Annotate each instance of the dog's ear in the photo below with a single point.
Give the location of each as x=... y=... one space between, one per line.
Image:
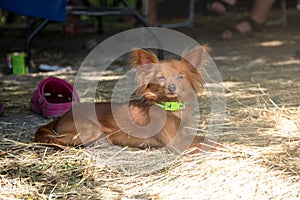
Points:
x=194 y=59
x=141 y=58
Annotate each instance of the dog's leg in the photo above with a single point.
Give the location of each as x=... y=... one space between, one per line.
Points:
x=67 y=134
x=205 y=144
x=196 y=144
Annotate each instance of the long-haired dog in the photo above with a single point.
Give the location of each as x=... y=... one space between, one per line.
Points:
x=157 y=119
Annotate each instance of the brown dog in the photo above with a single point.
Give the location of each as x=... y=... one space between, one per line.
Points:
x=161 y=84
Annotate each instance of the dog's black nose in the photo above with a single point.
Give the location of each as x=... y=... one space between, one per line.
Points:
x=172 y=87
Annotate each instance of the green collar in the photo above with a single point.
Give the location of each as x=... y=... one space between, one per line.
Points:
x=171 y=106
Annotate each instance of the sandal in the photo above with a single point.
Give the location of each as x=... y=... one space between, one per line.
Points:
x=53 y=97
x=235 y=32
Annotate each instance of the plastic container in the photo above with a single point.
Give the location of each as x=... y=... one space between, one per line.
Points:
x=16 y=63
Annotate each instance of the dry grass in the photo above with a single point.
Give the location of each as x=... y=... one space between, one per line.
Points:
x=261 y=162
x=35 y=172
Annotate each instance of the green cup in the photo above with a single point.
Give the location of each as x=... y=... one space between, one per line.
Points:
x=17 y=62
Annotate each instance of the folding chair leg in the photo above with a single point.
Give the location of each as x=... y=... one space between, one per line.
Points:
x=283 y=18
x=145 y=24
x=30 y=38
x=136 y=14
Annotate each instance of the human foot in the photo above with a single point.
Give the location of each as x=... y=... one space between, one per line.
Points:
x=221 y=6
x=243 y=27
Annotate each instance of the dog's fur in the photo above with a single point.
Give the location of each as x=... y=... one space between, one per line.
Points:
x=158 y=81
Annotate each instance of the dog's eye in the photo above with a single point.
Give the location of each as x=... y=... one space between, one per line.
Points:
x=180 y=78
x=161 y=79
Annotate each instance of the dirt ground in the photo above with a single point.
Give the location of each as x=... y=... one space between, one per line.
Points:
x=261 y=75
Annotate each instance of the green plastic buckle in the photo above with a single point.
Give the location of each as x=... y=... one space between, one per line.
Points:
x=171 y=106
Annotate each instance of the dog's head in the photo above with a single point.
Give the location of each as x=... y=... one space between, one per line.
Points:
x=168 y=80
